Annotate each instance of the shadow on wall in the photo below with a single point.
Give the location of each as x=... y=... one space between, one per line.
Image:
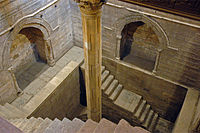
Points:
x=138 y=45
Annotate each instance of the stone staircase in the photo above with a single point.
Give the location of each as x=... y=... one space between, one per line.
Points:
x=39 y=125
x=129 y=101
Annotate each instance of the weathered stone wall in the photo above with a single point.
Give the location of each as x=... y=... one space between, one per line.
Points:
x=179 y=38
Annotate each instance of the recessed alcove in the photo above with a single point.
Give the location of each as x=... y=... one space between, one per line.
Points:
x=138 y=45
x=27 y=54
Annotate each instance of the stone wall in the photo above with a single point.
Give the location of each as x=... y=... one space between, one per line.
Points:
x=179 y=38
x=60 y=97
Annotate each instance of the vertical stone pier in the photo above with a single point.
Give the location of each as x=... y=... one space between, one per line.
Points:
x=91 y=23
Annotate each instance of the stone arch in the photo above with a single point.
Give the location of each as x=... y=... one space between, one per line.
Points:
x=37 y=23
x=135 y=17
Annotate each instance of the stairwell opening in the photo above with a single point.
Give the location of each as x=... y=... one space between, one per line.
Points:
x=138 y=45
x=27 y=54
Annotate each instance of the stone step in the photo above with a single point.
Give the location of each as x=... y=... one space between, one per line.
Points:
x=125 y=99
x=25 y=124
x=33 y=125
x=3 y=115
x=88 y=127
x=153 y=123
x=16 y=121
x=148 y=121
x=104 y=76
x=111 y=88
x=67 y=126
x=107 y=82
x=8 y=113
x=15 y=110
x=163 y=126
x=54 y=127
x=22 y=123
x=77 y=124
x=29 y=125
x=105 y=126
x=103 y=68
x=141 y=108
x=116 y=92
x=43 y=126
x=123 y=127
x=145 y=113
x=137 y=99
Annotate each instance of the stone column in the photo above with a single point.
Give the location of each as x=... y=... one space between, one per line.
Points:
x=91 y=23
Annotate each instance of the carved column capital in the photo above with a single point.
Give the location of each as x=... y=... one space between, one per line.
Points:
x=90 y=6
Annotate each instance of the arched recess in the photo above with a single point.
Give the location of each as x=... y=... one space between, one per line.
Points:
x=31 y=22
x=135 y=18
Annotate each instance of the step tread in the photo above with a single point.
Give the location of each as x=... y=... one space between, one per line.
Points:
x=67 y=126
x=107 y=82
x=145 y=113
x=33 y=125
x=77 y=124
x=140 y=109
x=148 y=121
x=103 y=69
x=8 y=113
x=29 y=124
x=154 y=122
x=15 y=109
x=88 y=127
x=163 y=126
x=43 y=125
x=123 y=127
x=22 y=124
x=116 y=92
x=135 y=103
x=55 y=126
x=105 y=126
x=125 y=99
x=112 y=86
x=104 y=75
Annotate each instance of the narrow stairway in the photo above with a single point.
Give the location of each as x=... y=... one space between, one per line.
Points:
x=39 y=125
x=141 y=111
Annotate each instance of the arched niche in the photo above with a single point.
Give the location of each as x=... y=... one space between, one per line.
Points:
x=134 y=22
x=35 y=23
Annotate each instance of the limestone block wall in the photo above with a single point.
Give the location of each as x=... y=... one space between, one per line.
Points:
x=179 y=38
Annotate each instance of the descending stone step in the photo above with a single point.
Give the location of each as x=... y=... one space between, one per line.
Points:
x=54 y=127
x=148 y=121
x=125 y=99
x=137 y=99
x=163 y=126
x=43 y=126
x=33 y=125
x=105 y=126
x=16 y=110
x=153 y=123
x=67 y=126
x=88 y=127
x=77 y=124
x=116 y=92
x=27 y=125
x=145 y=113
x=140 y=109
x=107 y=82
x=22 y=124
x=103 y=69
x=104 y=76
x=111 y=88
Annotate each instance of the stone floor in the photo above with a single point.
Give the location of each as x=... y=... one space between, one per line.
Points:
x=140 y=62
x=34 y=78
